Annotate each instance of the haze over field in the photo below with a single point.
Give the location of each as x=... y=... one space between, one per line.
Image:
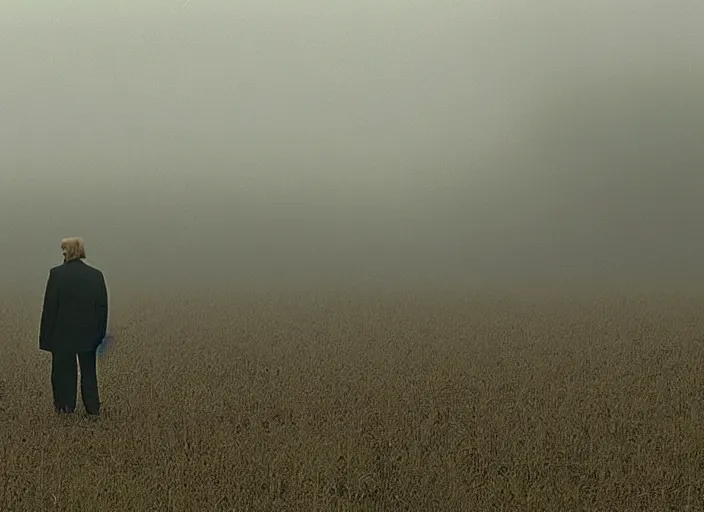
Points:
x=364 y=142
x=446 y=146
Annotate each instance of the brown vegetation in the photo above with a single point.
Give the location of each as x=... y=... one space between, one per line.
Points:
x=366 y=403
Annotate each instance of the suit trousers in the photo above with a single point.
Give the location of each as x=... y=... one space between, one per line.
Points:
x=64 y=380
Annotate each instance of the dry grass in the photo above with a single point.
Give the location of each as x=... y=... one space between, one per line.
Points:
x=366 y=403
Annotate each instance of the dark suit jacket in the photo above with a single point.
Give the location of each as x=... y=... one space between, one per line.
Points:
x=75 y=310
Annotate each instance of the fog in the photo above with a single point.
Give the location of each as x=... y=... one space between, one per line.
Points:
x=397 y=143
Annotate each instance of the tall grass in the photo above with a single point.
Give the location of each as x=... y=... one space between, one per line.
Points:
x=366 y=402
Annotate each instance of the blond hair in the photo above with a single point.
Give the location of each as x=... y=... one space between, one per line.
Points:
x=74 y=248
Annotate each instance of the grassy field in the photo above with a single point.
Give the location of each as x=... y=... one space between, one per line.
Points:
x=366 y=402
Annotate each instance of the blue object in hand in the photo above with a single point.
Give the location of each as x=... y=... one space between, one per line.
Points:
x=105 y=345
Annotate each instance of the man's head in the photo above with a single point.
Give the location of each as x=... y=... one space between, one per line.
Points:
x=73 y=248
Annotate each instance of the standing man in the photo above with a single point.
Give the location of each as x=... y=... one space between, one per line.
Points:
x=73 y=324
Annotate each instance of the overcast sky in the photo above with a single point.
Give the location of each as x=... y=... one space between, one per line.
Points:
x=222 y=142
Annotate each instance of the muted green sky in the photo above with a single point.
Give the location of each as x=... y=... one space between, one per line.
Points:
x=368 y=141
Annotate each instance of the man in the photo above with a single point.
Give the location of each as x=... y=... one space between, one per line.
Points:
x=73 y=324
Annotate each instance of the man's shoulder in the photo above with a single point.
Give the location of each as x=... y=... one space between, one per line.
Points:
x=83 y=267
x=92 y=268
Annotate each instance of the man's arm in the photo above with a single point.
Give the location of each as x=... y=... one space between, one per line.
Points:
x=101 y=308
x=49 y=308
